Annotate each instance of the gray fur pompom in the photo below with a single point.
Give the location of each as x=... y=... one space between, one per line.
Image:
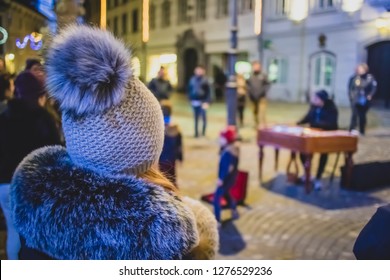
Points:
x=87 y=70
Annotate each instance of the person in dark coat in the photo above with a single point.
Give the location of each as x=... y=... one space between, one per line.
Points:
x=160 y=86
x=323 y=115
x=258 y=86
x=173 y=145
x=373 y=242
x=362 y=88
x=200 y=96
x=6 y=90
x=227 y=171
x=24 y=126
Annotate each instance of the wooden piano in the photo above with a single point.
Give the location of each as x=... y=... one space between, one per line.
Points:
x=307 y=141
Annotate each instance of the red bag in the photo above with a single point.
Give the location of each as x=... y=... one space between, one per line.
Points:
x=238 y=191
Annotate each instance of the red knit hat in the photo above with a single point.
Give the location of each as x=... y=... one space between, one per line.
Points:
x=229 y=134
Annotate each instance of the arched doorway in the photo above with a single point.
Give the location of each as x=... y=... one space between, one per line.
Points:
x=378 y=60
x=191 y=61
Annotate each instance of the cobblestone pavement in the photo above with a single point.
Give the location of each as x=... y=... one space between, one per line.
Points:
x=279 y=220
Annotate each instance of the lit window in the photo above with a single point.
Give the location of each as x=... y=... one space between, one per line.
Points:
x=166 y=14
x=277 y=70
x=323 y=71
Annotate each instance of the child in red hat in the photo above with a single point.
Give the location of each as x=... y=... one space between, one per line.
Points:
x=227 y=173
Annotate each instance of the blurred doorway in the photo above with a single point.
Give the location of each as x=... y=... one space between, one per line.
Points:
x=378 y=61
x=190 y=61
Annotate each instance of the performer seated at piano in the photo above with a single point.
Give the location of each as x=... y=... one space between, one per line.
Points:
x=323 y=115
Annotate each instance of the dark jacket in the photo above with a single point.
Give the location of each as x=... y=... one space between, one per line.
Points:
x=199 y=89
x=23 y=128
x=373 y=242
x=228 y=165
x=160 y=88
x=325 y=117
x=362 y=88
x=63 y=211
x=173 y=148
x=258 y=86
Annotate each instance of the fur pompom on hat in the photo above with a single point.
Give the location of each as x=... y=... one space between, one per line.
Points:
x=112 y=123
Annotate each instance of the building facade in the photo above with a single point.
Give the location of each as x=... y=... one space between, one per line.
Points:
x=316 y=44
x=182 y=34
x=23 y=24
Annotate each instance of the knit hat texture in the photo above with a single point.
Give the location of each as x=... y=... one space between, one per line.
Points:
x=112 y=123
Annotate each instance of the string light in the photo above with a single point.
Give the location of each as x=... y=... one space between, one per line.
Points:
x=5 y=35
x=35 y=41
x=258 y=15
x=145 y=21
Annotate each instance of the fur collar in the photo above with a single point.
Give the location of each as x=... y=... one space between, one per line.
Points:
x=69 y=212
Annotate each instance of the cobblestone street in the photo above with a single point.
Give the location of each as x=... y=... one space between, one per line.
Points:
x=279 y=220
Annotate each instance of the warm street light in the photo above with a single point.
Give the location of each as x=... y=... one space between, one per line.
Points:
x=103 y=14
x=258 y=15
x=351 y=6
x=299 y=10
x=145 y=21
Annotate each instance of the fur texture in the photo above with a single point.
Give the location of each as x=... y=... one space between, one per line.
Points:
x=71 y=213
x=87 y=66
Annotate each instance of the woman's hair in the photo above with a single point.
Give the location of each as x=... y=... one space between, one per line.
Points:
x=155 y=176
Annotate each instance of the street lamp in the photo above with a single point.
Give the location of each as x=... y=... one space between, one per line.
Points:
x=299 y=10
x=351 y=6
x=103 y=14
x=231 y=86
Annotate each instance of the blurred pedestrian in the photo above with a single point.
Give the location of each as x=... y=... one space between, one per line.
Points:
x=322 y=114
x=258 y=86
x=199 y=95
x=227 y=172
x=6 y=90
x=35 y=66
x=160 y=86
x=2 y=66
x=173 y=148
x=241 y=98
x=362 y=88
x=103 y=197
x=24 y=126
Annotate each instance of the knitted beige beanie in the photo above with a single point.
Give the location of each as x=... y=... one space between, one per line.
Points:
x=112 y=123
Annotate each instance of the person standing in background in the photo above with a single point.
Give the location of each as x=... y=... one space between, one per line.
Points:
x=24 y=126
x=199 y=95
x=241 y=98
x=6 y=90
x=173 y=145
x=362 y=88
x=160 y=86
x=258 y=86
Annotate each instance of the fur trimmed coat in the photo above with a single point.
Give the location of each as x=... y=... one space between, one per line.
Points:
x=68 y=212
